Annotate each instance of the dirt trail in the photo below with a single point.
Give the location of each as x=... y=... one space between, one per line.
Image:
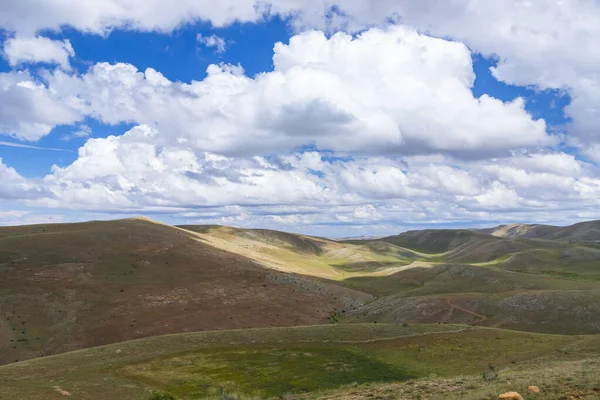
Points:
x=480 y=318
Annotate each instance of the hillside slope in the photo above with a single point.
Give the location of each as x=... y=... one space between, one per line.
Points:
x=520 y=230
x=345 y=361
x=72 y=286
x=588 y=231
x=306 y=255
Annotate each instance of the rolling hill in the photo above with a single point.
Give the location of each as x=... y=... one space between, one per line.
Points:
x=72 y=286
x=393 y=305
x=581 y=232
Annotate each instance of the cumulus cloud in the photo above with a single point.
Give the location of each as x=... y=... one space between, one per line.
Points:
x=14 y=186
x=308 y=191
x=522 y=35
x=126 y=174
x=38 y=49
x=384 y=91
x=28 y=110
x=30 y=16
x=400 y=138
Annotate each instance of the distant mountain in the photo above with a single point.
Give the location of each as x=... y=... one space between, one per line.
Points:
x=581 y=232
x=520 y=231
x=434 y=240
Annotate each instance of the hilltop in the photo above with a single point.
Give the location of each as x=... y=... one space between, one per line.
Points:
x=581 y=232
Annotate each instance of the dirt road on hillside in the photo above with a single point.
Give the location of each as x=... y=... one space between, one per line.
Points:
x=480 y=318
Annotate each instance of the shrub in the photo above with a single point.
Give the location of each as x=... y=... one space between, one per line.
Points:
x=490 y=373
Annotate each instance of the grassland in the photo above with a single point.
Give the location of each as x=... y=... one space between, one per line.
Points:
x=311 y=362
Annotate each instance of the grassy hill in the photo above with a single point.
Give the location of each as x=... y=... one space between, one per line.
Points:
x=302 y=254
x=432 y=240
x=317 y=362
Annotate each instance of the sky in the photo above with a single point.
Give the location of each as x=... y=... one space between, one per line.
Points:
x=338 y=118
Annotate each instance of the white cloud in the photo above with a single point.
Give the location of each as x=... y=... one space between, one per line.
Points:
x=213 y=41
x=549 y=44
x=82 y=131
x=28 y=110
x=26 y=217
x=385 y=91
x=206 y=149
x=129 y=174
x=30 y=16
x=38 y=49
x=15 y=186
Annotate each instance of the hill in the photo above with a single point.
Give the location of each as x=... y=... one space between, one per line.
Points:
x=520 y=230
x=73 y=286
x=581 y=232
x=318 y=362
x=433 y=240
x=318 y=257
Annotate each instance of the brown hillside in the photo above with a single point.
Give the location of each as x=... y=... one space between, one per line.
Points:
x=72 y=286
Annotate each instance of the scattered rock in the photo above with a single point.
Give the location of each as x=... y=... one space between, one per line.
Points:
x=511 y=396
x=63 y=392
x=533 y=389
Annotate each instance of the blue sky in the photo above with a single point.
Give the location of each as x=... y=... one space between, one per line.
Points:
x=353 y=125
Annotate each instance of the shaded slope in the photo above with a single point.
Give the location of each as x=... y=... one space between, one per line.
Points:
x=584 y=231
x=433 y=240
x=72 y=286
x=476 y=271
x=459 y=245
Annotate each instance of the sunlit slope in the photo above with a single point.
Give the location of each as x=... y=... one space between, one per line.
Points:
x=307 y=255
x=588 y=231
x=527 y=284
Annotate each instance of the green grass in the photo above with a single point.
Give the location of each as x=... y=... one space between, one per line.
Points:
x=469 y=352
x=304 y=361
x=265 y=372
x=271 y=371
x=557 y=380
x=94 y=374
